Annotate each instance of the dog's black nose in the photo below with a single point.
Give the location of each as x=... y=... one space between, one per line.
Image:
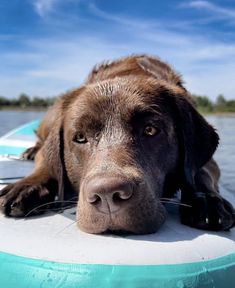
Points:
x=108 y=194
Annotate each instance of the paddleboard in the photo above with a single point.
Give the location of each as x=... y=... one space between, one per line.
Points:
x=50 y=251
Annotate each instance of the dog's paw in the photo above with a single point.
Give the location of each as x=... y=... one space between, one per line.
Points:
x=21 y=199
x=30 y=153
x=209 y=212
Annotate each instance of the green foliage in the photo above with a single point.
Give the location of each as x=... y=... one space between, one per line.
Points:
x=221 y=105
x=24 y=101
x=220 y=100
x=203 y=103
x=4 y=101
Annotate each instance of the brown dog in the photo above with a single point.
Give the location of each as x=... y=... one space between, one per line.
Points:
x=129 y=136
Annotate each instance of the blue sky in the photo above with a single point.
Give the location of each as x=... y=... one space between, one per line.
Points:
x=49 y=46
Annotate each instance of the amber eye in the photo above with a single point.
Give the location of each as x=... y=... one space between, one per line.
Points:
x=80 y=138
x=150 y=130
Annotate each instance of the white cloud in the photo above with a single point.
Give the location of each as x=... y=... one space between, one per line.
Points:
x=54 y=65
x=206 y=5
x=43 y=7
x=57 y=65
x=213 y=81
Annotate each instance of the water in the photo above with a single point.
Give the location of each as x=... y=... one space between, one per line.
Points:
x=11 y=119
x=225 y=155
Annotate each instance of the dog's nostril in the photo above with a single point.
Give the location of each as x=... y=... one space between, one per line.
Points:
x=121 y=196
x=108 y=194
x=94 y=199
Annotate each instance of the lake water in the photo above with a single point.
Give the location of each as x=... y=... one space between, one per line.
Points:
x=225 y=125
x=11 y=119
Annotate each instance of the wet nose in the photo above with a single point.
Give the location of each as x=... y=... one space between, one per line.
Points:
x=108 y=194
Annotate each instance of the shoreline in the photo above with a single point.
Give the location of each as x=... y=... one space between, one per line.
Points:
x=44 y=109
x=26 y=109
x=219 y=114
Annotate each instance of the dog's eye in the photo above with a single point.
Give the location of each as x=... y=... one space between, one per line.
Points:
x=150 y=130
x=80 y=138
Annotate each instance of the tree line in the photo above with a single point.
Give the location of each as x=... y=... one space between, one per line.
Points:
x=25 y=101
x=203 y=103
x=221 y=104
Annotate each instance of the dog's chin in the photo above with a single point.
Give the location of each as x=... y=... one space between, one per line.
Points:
x=98 y=223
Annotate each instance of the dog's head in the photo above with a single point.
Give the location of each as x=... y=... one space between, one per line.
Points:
x=127 y=141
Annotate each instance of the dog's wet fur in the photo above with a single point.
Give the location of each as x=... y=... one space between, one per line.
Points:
x=127 y=137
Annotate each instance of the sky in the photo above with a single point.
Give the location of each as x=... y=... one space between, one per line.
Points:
x=48 y=46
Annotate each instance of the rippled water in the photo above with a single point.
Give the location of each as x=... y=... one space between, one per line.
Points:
x=225 y=154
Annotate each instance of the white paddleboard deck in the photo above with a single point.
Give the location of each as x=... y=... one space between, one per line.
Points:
x=56 y=237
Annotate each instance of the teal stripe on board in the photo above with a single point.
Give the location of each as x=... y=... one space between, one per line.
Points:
x=11 y=150
x=27 y=129
x=23 y=272
x=22 y=131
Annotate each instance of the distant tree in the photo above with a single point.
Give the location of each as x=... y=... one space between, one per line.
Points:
x=203 y=103
x=24 y=100
x=230 y=106
x=4 y=101
x=39 y=102
x=43 y=102
x=51 y=100
x=15 y=102
x=223 y=105
x=220 y=100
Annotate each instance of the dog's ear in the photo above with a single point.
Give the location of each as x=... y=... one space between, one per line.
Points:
x=53 y=148
x=198 y=139
x=159 y=70
x=52 y=155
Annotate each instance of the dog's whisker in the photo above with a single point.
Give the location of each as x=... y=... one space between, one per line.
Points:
x=59 y=209
x=48 y=203
x=165 y=198
x=73 y=198
x=66 y=227
x=175 y=203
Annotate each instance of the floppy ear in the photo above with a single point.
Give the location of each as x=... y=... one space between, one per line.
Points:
x=53 y=148
x=53 y=159
x=198 y=138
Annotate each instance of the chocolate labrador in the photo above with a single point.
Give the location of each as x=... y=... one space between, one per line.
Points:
x=121 y=142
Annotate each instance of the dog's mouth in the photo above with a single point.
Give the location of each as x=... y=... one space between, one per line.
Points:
x=117 y=205
x=132 y=220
